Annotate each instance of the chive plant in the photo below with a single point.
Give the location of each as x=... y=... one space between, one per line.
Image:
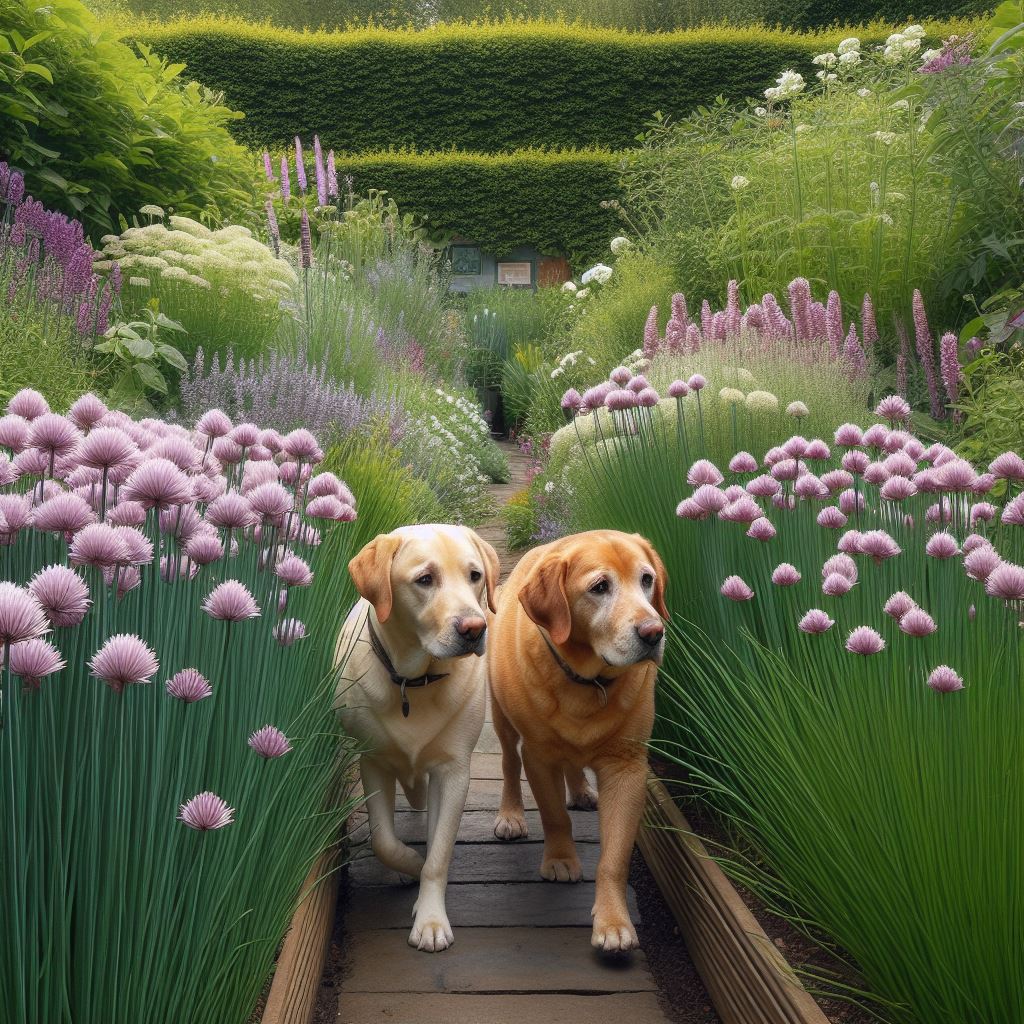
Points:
x=170 y=761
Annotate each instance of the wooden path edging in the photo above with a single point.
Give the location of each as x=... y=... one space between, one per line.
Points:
x=747 y=978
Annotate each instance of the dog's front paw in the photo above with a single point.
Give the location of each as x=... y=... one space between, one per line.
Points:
x=614 y=935
x=511 y=825
x=584 y=800
x=561 y=869
x=431 y=932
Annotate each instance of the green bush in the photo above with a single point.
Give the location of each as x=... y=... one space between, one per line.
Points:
x=486 y=88
x=100 y=130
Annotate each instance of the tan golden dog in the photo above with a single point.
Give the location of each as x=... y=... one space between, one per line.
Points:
x=574 y=650
x=410 y=693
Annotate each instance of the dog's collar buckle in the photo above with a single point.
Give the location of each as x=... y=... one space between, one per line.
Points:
x=600 y=682
x=400 y=681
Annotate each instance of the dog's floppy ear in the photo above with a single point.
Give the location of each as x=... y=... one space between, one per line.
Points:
x=371 y=572
x=544 y=599
x=660 y=576
x=492 y=567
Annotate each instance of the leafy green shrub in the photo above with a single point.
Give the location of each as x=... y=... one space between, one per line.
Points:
x=484 y=88
x=100 y=129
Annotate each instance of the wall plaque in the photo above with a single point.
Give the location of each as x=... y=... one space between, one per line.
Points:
x=517 y=274
x=465 y=260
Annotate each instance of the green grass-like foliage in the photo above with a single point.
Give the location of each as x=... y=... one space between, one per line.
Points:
x=486 y=88
x=111 y=909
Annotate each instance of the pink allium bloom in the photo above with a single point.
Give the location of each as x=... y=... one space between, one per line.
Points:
x=696 y=382
x=1006 y=581
x=270 y=501
x=62 y=594
x=850 y=501
x=179 y=450
x=875 y=436
x=773 y=456
x=761 y=529
x=710 y=498
x=325 y=483
x=87 y=411
x=703 y=472
x=842 y=564
x=940 y=511
x=785 y=575
x=1008 y=466
x=831 y=518
x=900 y=464
x=269 y=742
x=8 y=473
x=917 y=622
x=897 y=488
x=942 y=545
x=21 y=615
x=735 y=589
x=206 y=812
x=32 y=660
x=743 y=462
x=620 y=375
x=106 y=447
x=944 y=680
x=1013 y=513
x=63 y=513
x=204 y=548
x=226 y=451
x=879 y=546
x=287 y=631
x=56 y=436
x=818 y=450
x=983 y=483
x=13 y=432
x=123 y=660
x=257 y=453
x=941 y=455
x=98 y=545
x=127 y=513
x=855 y=462
x=899 y=604
x=176 y=567
x=848 y=435
x=985 y=512
x=678 y=389
x=208 y=489
x=893 y=408
x=809 y=486
x=763 y=486
x=637 y=384
x=876 y=473
x=572 y=401
x=788 y=469
x=796 y=447
x=230 y=601
x=32 y=462
x=745 y=510
x=326 y=507
x=231 y=511
x=973 y=541
x=914 y=448
x=957 y=475
x=245 y=434
x=15 y=513
x=28 y=404
x=849 y=543
x=786 y=501
x=864 y=640
x=647 y=398
x=593 y=398
x=301 y=444
x=816 y=621
x=214 y=423
x=188 y=686
x=734 y=492
x=138 y=547
x=157 y=483
x=293 y=572
x=689 y=509
x=619 y=399
x=835 y=585
x=181 y=522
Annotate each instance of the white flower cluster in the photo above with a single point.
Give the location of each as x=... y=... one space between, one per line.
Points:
x=598 y=274
x=568 y=361
x=900 y=45
x=847 y=54
x=739 y=182
x=620 y=245
x=789 y=83
x=465 y=412
x=456 y=431
x=636 y=361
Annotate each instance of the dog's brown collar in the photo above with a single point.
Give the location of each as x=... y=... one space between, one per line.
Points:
x=400 y=681
x=600 y=682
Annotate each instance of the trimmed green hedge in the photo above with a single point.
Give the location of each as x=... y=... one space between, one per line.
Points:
x=550 y=200
x=483 y=88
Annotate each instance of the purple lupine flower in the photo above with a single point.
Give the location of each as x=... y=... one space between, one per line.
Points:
x=926 y=353
x=868 y=326
x=300 y=167
x=834 y=323
x=949 y=362
x=272 y=227
x=286 y=180
x=305 y=242
x=732 y=308
x=854 y=354
x=332 y=176
x=799 y=308
x=206 y=812
x=651 y=338
x=268 y=167
x=320 y=172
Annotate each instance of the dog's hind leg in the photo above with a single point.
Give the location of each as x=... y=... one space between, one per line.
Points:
x=510 y=822
x=582 y=796
x=379 y=787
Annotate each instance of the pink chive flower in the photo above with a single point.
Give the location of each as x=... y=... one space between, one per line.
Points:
x=874 y=436
x=796 y=447
x=620 y=375
x=637 y=384
x=842 y=564
x=704 y=472
x=943 y=679
x=917 y=622
x=743 y=462
x=816 y=621
x=245 y=434
x=817 y=450
x=54 y=435
x=301 y=444
x=849 y=543
x=226 y=451
x=942 y=545
x=206 y=812
x=894 y=409
x=127 y=513
x=325 y=507
x=1008 y=466
x=230 y=601
x=87 y=411
x=744 y=510
x=138 y=547
x=231 y=511
x=204 y=548
x=28 y=404
x=678 y=389
x=973 y=541
x=293 y=572
x=157 y=483
x=13 y=432
x=287 y=631
x=325 y=483
x=32 y=462
x=98 y=545
x=763 y=486
x=619 y=399
x=810 y=487
x=63 y=513
x=572 y=401
x=62 y=594
x=269 y=742
x=879 y=545
x=689 y=509
x=787 y=469
x=1013 y=513
x=33 y=660
x=710 y=498
x=736 y=589
x=864 y=640
x=850 y=501
x=178 y=450
x=899 y=604
x=734 y=492
x=900 y=464
x=122 y=661
x=270 y=501
x=696 y=382
x=647 y=398
x=957 y=475
x=855 y=462
x=848 y=435
x=831 y=518
x=897 y=488
x=189 y=686
x=876 y=473
x=761 y=529
x=836 y=585
x=106 y=447
x=1006 y=581
x=785 y=575
x=214 y=423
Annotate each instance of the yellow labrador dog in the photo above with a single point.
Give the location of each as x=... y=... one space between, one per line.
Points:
x=413 y=690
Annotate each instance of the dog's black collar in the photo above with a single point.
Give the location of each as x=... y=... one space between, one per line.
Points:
x=400 y=681
x=600 y=682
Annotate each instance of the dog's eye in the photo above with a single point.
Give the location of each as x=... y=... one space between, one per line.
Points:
x=425 y=580
x=600 y=587
x=475 y=574
x=647 y=581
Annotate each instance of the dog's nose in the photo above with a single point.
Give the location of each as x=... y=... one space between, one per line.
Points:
x=470 y=627
x=650 y=631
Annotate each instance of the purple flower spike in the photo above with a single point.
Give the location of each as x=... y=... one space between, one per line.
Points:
x=269 y=742
x=122 y=661
x=230 y=601
x=206 y=812
x=816 y=621
x=287 y=631
x=943 y=679
x=736 y=589
x=305 y=242
x=188 y=686
x=917 y=622
x=864 y=640
x=786 y=575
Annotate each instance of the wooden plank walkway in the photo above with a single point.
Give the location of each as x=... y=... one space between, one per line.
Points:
x=522 y=952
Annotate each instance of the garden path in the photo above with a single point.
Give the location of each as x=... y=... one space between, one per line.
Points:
x=522 y=951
